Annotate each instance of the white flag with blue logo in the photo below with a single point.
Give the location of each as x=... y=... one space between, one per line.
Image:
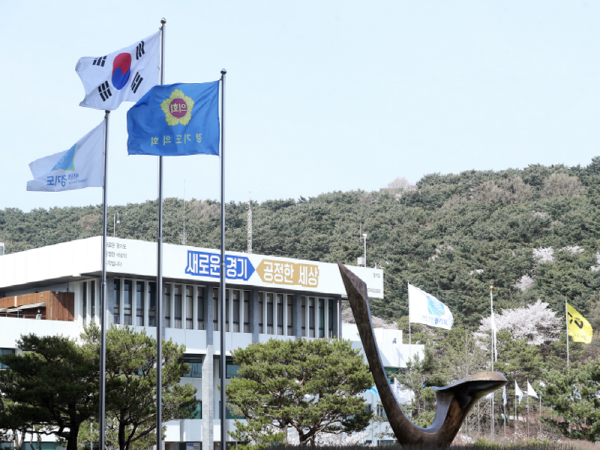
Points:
x=122 y=76
x=426 y=309
x=79 y=167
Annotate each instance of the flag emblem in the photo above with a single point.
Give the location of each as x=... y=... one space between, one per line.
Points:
x=178 y=108
x=121 y=70
x=434 y=306
x=67 y=162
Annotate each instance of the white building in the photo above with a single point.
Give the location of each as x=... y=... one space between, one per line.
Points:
x=267 y=298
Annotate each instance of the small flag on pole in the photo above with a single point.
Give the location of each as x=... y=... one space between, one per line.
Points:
x=123 y=76
x=426 y=309
x=579 y=328
x=175 y=120
x=79 y=167
x=518 y=392
x=530 y=390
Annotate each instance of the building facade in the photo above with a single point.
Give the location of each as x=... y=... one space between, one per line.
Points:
x=266 y=298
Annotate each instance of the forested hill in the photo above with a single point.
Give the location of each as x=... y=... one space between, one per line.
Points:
x=532 y=233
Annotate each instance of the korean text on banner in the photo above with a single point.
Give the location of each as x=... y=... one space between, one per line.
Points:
x=426 y=309
x=79 y=167
x=175 y=120
x=579 y=328
x=123 y=76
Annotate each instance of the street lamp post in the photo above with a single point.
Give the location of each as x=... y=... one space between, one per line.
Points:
x=365 y=249
x=116 y=220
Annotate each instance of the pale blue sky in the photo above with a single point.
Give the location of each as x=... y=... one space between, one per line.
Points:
x=321 y=95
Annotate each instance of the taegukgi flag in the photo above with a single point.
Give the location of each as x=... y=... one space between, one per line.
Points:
x=123 y=76
x=79 y=167
x=175 y=120
x=425 y=308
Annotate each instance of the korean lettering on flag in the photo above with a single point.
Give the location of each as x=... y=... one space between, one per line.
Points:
x=124 y=75
x=79 y=167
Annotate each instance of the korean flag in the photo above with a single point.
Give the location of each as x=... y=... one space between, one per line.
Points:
x=123 y=76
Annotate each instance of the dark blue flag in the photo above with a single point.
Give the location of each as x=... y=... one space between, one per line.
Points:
x=175 y=120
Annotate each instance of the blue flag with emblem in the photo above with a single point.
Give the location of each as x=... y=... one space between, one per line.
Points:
x=175 y=120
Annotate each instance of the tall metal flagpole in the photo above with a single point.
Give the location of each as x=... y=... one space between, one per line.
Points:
x=493 y=348
x=159 y=283
x=222 y=287
x=103 y=293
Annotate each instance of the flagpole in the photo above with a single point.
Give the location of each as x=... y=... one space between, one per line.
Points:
x=567 y=324
x=159 y=281
x=103 y=293
x=223 y=282
x=493 y=344
x=528 y=409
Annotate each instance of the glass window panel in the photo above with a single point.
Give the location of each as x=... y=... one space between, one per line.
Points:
x=231 y=369
x=321 y=318
x=117 y=308
x=167 y=303
x=127 y=302
x=178 y=291
x=304 y=316
x=290 y=315
x=279 y=314
x=195 y=364
x=311 y=316
x=6 y=351
x=227 y=310
x=139 y=303
x=200 y=301
x=269 y=313
x=152 y=304
x=246 y=312
x=216 y=309
x=189 y=307
x=93 y=300
x=260 y=312
x=330 y=318
x=84 y=303
x=236 y=311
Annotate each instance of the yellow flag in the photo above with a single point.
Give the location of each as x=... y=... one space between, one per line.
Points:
x=579 y=328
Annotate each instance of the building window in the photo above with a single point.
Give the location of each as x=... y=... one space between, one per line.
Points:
x=6 y=351
x=246 y=312
x=321 y=318
x=231 y=370
x=311 y=316
x=195 y=412
x=85 y=303
x=127 y=303
x=117 y=294
x=261 y=309
x=178 y=305
x=93 y=301
x=167 y=303
x=236 y=311
x=152 y=304
x=227 y=292
x=139 y=303
x=290 y=315
x=200 y=301
x=195 y=363
x=269 y=313
x=279 y=314
x=189 y=307
x=216 y=309
x=230 y=415
x=330 y=318
x=304 y=300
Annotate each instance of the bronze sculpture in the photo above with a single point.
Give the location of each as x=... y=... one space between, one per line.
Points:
x=453 y=401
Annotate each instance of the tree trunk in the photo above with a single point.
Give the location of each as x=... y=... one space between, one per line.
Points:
x=73 y=435
x=122 y=433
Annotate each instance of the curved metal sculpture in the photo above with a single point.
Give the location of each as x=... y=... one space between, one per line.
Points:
x=453 y=401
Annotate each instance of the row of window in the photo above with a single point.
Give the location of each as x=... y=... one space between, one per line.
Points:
x=195 y=362
x=196 y=413
x=135 y=304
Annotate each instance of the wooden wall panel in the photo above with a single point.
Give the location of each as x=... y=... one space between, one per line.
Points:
x=59 y=306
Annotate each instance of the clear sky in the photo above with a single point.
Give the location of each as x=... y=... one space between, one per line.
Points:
x=321 y=95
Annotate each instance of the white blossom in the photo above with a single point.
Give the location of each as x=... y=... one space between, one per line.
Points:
x=525 y=283
x=543 y=255
x=573 y=250
x=537 y=323
x=477 y=271
x=596 y=268
x=330 y=440
x=348 y=317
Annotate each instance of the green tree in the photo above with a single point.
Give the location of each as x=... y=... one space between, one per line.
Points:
x=574 y=392
x=131 y=383
x=53 y=383
x=312 y=386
